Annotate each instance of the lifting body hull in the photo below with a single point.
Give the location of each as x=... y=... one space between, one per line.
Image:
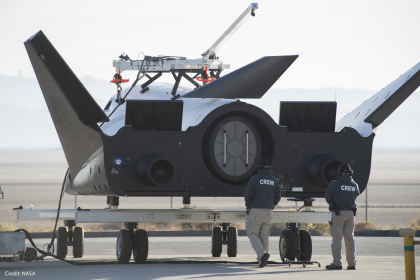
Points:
x=212 y=153
x=195 y=174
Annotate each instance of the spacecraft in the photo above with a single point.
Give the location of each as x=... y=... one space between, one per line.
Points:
x=161 y=139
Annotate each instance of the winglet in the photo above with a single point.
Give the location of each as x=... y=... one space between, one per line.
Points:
x=250 y=81
x=85 y=107
x=380 y=106
x=72 y=109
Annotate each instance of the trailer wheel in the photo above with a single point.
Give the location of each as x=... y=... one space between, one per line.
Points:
x=305 y=246
x=216 y=242
x=78 y=242
x=141 y=246
x=232 y=245
x=287 y=245
x=62 y=243
x=124 y=246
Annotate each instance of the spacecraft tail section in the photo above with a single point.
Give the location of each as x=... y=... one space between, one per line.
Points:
x=250 y=81
x=72 y=109
x=371 y=113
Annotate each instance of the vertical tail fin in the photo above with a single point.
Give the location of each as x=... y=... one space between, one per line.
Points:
x=72 y=109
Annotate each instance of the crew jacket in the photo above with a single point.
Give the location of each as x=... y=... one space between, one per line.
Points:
x=262 y=190
x=342 y=194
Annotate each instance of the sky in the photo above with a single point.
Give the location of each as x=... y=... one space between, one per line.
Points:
x=342 y=44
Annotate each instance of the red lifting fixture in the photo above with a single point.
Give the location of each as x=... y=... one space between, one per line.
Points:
x=118 y=78
x=209 y=79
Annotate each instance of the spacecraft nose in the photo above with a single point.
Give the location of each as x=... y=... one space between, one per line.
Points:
x=153 y=169
x=322 y=169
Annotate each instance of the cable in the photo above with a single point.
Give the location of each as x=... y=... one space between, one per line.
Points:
x=58 y=212
x=51 y=244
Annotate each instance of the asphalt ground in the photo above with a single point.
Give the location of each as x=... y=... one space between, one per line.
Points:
x=189 y=257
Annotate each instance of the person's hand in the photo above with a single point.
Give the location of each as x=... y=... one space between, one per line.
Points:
x=247 y=211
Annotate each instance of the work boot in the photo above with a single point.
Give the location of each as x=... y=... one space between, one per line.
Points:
x=264 y=259
x=333 y=266
x=351 y=267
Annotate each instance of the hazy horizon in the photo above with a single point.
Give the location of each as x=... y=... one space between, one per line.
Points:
x=348 y=50
x=24 y=108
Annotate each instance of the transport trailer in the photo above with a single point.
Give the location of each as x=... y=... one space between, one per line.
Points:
x=293 y=244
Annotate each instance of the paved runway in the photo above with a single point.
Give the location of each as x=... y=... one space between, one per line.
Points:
x=377 y=258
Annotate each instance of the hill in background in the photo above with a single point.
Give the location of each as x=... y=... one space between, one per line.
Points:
x=26 y=123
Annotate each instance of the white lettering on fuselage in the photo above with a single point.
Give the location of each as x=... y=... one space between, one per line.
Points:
x=266 y=182
x=348 y=188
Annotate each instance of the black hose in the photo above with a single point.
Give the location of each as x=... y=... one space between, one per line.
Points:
x=58 y=211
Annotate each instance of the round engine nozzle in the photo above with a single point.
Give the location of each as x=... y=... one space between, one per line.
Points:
x=322 y=169
x=153 y=169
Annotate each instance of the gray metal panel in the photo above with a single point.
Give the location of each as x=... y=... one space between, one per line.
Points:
x=308 y=116
x=154 y=115
x=250 y=81
x=12 y=243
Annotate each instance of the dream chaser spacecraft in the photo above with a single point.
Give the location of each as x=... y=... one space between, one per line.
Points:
x=158 y=139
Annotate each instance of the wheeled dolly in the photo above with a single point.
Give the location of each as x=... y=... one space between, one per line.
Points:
x=129 y=241
x=224 y=234
x=134 y=242
x=71 y=237
x=295 y=243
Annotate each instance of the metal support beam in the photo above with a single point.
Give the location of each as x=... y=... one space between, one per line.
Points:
x=168 y=215
x=196 y=75
x=217 y=73
x=191 y=80
x=177 y=80
x=249 y=11
x=151 y=80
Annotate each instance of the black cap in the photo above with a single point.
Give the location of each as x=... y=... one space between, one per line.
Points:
x=345 y=168
x=263 y=163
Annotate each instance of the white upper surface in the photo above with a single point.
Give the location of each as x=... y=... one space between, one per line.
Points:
x=195 y=109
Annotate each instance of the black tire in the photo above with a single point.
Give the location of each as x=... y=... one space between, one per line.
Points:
x=232 y=245
x=124 y=246
x=305 y=246
x=216 y=242
x=141 y=246
x=62 y=243
x=287 y=245
x=78 y=242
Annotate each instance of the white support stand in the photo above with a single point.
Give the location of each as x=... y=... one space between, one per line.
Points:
x=167 y=215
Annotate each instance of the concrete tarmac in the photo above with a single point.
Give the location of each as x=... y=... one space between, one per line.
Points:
x=377 y=258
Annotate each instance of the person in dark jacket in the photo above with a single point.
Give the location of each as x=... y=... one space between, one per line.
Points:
x=262 y=194
x=341 y=196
